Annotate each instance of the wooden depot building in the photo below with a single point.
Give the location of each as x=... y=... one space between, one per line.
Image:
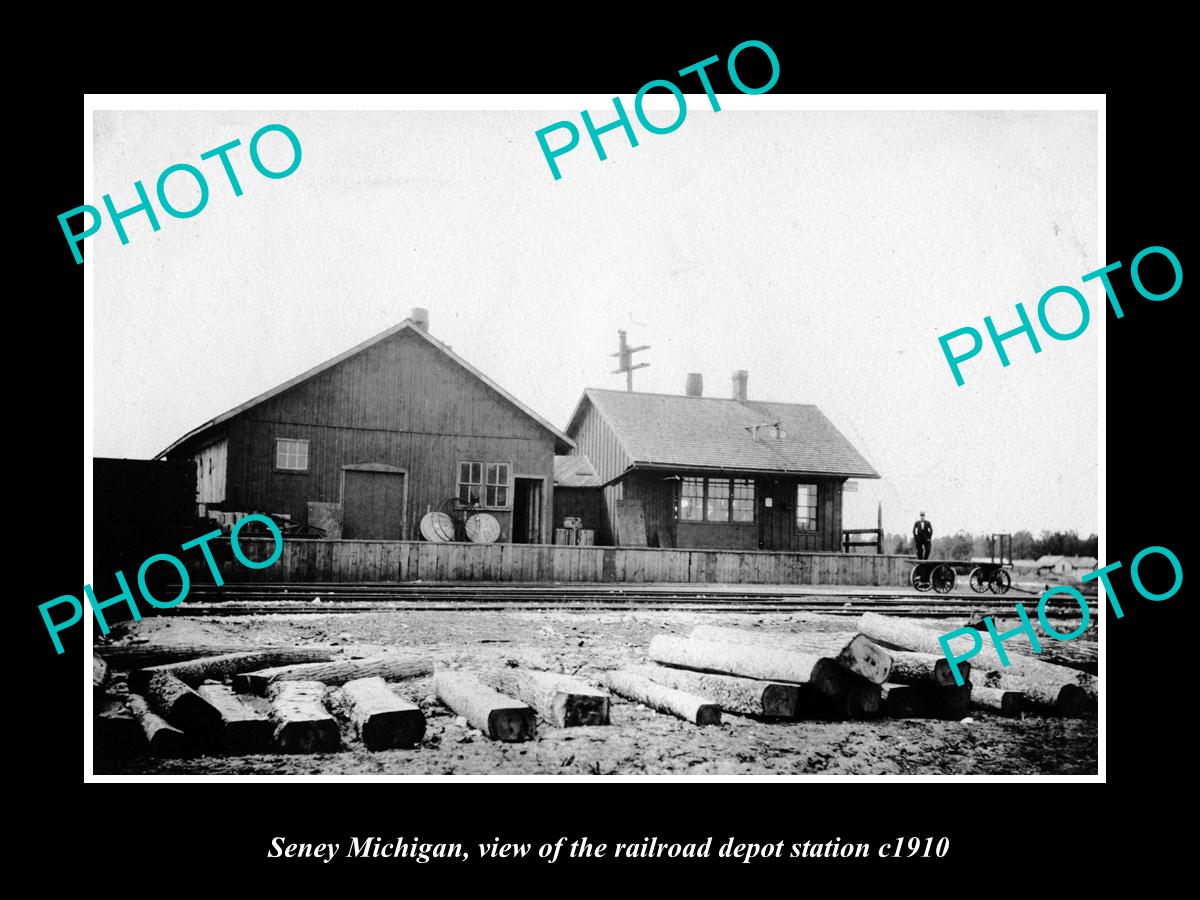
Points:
x=363 y=445
x=707 y=472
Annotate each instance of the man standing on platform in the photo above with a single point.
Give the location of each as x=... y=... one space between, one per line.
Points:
x=922 y=536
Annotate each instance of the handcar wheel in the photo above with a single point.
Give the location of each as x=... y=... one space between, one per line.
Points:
x=943 y=579
x=920 y=577
x=1000 y=582
x=979 y=584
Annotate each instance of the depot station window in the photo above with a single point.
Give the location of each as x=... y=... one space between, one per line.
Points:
x=716 y=500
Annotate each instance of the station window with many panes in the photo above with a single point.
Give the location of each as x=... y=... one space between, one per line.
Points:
x=716 y=500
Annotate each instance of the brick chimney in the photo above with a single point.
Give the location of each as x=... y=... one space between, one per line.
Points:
x=695 y=385
x=420 y=317
x=740 y=377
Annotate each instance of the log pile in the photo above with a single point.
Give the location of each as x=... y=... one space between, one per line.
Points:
x=220 y=698
x=1044 y=687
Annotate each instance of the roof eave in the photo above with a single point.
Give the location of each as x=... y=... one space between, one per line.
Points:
x=697 y=467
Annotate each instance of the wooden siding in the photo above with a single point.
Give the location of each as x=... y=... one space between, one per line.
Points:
x=400 y=561
x=595 y=440
x=399 y=403
x=210 y=472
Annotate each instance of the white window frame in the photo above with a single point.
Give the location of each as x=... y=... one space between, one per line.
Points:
x=280 y=468
x=483 y=484
x=816 y=508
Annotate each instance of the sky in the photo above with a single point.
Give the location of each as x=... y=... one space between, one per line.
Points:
x=824 y=252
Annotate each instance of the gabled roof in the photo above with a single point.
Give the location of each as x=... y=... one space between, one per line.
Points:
x=406 y=325
x=575 y=471
x=669 y=430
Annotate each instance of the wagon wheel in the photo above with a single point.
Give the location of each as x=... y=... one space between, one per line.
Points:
x=943 y=579
x=920 y=577
x=979 y=582
x=1000 y=582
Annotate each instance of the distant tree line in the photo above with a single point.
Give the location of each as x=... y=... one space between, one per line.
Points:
x=964 y=545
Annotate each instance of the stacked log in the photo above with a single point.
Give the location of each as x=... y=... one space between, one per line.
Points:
x=998 y=700
x=853 y=651
x=302 y=724
x=744 y=696
x=500 y=717
x=138 y=656
x=689 y=707
x=195 y=672
x=561 y=700
x=162 y=738
x=1046 y=686
x=391 y=668
x=184 y=708
x=829 y=690
x=243 y=728
x=382 y=719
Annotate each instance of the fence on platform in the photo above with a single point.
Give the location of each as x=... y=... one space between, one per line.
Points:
x=407 y=561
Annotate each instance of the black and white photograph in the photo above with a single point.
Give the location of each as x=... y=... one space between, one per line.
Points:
x=450 y=437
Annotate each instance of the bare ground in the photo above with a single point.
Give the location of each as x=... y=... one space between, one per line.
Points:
x=639 y=740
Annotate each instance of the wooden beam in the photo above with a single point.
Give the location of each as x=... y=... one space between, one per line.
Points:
x=744 y=696
x=382 y=719
x=998 y=700
x=302 y=724
x=195 y=672
x=500 y=717
x=184 y=708
x=852 y=650
x=561 y=700
x=909 y=667
x=162 y=739
x=243 y=728
x=390 y=668
x=690 y=707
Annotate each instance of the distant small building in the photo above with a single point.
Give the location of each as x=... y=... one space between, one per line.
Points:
x=719 y=473
x=1047 y=564
x=1066 y=565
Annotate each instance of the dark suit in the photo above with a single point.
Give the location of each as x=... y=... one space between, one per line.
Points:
x=922 y=537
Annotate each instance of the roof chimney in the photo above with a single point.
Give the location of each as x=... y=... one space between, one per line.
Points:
x=420 y=318
x=695 y=385
x=740 y=377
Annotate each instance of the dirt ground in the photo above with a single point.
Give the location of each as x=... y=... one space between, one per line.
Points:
x=639 y=740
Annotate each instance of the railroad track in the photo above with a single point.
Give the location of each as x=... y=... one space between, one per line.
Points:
x=300 y=599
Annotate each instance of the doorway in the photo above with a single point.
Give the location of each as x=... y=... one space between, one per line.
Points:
x=527 y=510
x=373 y=503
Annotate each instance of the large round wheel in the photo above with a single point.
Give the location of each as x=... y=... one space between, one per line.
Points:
x=920 y=577
x=943 y=579
x=979 y=583
x=1000 y=582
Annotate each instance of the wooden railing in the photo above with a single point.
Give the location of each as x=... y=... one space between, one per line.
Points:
x=401 y=561
x=876 y=541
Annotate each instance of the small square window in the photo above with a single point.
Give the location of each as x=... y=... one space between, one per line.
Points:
x=291 y=455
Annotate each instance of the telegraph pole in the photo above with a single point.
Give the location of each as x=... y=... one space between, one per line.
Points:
x=625 y=363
